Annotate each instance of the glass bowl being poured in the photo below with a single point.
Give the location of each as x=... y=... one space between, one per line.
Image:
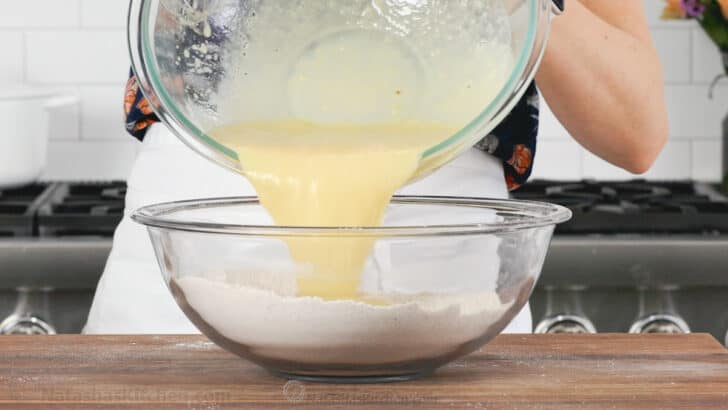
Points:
x=460 y=66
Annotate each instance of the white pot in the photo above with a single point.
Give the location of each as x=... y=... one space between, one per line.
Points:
x=24 y=128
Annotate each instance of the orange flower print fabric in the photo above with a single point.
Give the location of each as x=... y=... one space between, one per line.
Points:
x=130 y=95
x=521 y=159
x=511 y=182
x=514 y=139
x=138 y=111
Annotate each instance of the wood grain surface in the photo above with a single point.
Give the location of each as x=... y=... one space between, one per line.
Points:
x=513 y=371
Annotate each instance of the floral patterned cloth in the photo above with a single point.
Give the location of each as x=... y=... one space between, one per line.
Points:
x=138 y=112
x=513 y=140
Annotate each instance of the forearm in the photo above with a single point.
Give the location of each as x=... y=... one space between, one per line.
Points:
x=605 y=85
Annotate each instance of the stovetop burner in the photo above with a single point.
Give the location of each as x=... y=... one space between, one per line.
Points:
x=62 y=209
x=18 y=207
x=637 y=206
x=82 y=209
x=614 y=207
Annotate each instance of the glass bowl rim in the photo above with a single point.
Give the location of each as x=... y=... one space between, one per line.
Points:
x=538 y=215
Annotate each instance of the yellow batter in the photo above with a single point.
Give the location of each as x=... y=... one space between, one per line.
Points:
x=309 y=174
x=333 y=105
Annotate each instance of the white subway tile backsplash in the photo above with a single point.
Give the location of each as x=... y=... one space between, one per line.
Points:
x=596 y=168
x=557 y=160
x=706 y=58
x=39 y=13
x=692 y=113
x=81 y=44
x=64 y=120
x=707 y=160
x=673 y=163
x=12 y=58
x=102 y=113
x=77 y=57
x=549 y=126
x=673 y=46
x=90 y=160
x=104 y=13
x=653 y=10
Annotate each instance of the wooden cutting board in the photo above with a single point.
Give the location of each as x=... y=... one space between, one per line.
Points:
x=513 y=371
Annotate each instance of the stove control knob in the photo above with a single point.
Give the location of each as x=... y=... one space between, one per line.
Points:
x=660 y=323
x=25 y=325
x=572 y=324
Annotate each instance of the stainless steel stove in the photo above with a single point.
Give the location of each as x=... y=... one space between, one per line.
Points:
x=638 y=256
x=54 y=241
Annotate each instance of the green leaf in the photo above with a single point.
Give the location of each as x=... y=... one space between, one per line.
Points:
x=715 y=25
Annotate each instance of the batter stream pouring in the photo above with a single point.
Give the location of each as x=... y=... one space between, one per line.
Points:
x=326 y=175
x=345 y=108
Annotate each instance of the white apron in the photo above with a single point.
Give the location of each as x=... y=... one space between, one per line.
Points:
x=132 y=297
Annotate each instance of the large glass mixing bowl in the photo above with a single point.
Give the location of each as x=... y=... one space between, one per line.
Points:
x=185 y=56
x=444 y=277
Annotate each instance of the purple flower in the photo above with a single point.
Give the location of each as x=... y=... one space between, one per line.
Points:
x=693 y=8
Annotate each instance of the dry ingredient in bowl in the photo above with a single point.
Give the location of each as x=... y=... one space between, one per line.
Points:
x=275 y=323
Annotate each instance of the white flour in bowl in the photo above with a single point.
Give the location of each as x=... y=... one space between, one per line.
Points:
x=274 y=323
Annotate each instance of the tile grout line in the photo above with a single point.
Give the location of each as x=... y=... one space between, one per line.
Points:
x=691 y=159
x=80 y=119
x=24 y=62
x=79 y=7
x=692 y=55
